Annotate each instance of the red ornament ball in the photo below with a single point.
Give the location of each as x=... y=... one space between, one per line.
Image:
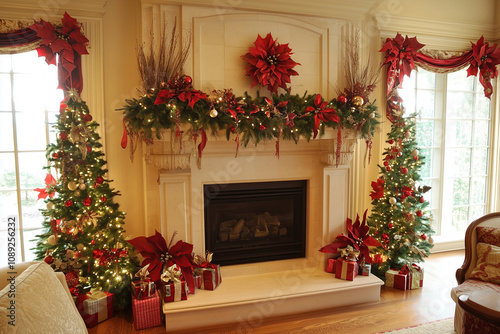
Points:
x=391 y=141
x=262 y=127
x=421 y=200
x=68 y=203
x=55 y=155
x=342 y=99
x=63 y=136
x=92 y=242
x=388 y=168
x=415 y=158
x=386 y=163
x=89 y=149
x=87 y=201
x=187 y=80
x=423 y=237
x=404 y=170
x=48 y=259
x=99 y=180
x=103 y=199
x=419 y=213
x=97 y=253
x=87 y=117
x=390 y=225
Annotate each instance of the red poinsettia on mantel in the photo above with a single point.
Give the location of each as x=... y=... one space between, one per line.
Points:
x=270 y=64
x=157 y=254
x=357 y=237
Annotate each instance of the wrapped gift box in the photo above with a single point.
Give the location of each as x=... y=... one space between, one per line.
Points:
x=174 y=291
x=330 y=265
x=416 y=280
x=143 y=288
x=397 y=280
x=365 y=269
x=95 y=307
x=197 y=281
x=345 y=269
x=210 y=276
x=147 y=312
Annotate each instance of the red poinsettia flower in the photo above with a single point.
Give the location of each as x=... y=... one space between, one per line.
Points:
x=357 y=237
x=405 y=192
x=484 y=59
x=270 y=64
x=400 y=55
x=378 y=189
x=48 y=190
x=182 y=89
x=156 y=253
x=321 y=113
x=64 y=41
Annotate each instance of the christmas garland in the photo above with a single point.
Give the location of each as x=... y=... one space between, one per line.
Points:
x=175 y=105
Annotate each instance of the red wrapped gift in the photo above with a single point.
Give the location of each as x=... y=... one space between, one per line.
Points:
x=398 y=279
x=330 y=265
x=95 y=307
x=174 y=289
x=147 y=312
x=210 y=276
x=345 y=269
x=142 y=286
x=197 y=281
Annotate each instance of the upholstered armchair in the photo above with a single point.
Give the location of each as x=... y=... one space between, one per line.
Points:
x=37 y=300
x=479 y=278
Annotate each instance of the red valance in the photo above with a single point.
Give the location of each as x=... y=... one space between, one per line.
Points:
x=66 y=41
x=403 y=54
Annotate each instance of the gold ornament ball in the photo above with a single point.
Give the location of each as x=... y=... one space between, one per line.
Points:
x=392 y=200
x=50 y=205
x=357 y=101
x=52 y=240
x=77 y=193
x=414 y=153
x=213 y=113
x=82 y=186
x=430 y=240
x=72 y=185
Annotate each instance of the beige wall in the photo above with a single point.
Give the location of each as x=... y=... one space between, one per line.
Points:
x=122 y=24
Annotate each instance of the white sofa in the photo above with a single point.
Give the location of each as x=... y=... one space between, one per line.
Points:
x=37 y=301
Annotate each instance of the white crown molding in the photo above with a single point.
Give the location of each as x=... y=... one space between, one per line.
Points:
x=352 y=10
x=50 y=10
x=443 y=35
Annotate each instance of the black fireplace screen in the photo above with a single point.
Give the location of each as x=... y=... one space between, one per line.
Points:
x=255 y=222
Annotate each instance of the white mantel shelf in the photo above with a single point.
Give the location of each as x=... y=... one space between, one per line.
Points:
x=247 y=300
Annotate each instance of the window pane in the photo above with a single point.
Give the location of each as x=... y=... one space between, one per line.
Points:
x=459 y=105
x=30 y=167
x=458 y=133
x=478 y=191
x=482 y=107
x=426 y=80
x=5 y=61
x=26 y=98
x=5 y=93
x=6 y=133
x=461 y=191
x=31 y=131
x=425 y=133
x=459 y=220
x=425 y=170
x=32 y=217
x=27 y=62
x=477 y=211
x=8 y=204
x=479 y=161
x=481 y=133
x=7 y=171
x=425 y=103
x=458 y=160
x=457 y=81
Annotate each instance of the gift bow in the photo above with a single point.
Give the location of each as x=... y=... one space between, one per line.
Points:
x=415 y=267
x=97 y=294
x=171 y=274
x=143 y=273
x=405 y=270
x=349 y=253
x=204 y=262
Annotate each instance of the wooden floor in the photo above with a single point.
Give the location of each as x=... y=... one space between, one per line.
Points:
x=396 y=309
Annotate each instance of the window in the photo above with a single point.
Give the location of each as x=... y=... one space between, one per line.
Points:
x=29 y=101
x=453 y=132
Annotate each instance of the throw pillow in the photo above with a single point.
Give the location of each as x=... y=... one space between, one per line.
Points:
x=40 y=304
x=488 y=263
x=488 y=235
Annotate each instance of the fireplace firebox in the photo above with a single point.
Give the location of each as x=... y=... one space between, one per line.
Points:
x=256 y=221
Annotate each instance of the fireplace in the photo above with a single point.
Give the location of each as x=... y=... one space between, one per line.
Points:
x=255 y=221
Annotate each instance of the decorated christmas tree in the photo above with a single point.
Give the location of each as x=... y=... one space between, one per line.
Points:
x=84 y=226
x=398 y=219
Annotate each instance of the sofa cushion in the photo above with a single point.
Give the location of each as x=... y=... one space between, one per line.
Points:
x=41 y=303
x=488 y=235
x=488 y=263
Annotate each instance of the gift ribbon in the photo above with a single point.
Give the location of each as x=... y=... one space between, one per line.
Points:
x=349 y=253
x=173 y=275
x=96 y=303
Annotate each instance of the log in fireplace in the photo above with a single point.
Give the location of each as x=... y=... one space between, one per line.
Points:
x=255 y=221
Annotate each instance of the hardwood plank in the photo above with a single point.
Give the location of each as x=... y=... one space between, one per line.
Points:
x=395 y=309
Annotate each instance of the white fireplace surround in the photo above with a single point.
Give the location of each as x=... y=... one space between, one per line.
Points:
x=251 y=292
